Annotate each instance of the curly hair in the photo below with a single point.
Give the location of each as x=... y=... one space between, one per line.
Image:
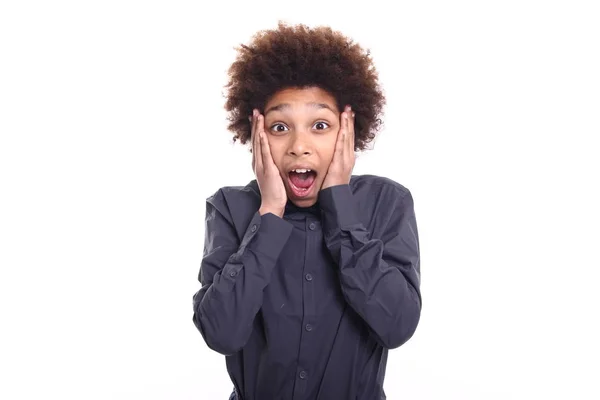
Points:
x=301 y=57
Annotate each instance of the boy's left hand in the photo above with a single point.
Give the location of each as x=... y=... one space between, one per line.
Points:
x=342 y=164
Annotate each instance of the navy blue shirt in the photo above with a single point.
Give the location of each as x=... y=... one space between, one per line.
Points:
x=307 y=306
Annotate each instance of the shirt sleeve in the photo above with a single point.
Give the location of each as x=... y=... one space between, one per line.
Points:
x=233 y=274
x=380 y=277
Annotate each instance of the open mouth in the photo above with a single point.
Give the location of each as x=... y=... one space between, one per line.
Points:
x=302 y=182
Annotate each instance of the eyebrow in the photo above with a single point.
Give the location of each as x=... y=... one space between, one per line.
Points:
x=283 y=106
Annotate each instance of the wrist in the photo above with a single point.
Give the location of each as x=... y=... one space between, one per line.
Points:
x=264 y=210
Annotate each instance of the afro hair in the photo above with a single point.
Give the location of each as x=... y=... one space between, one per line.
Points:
x=301 y=57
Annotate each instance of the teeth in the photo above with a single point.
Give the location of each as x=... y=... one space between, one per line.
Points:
x=301 y=171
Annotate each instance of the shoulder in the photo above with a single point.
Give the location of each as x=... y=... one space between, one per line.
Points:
x=237 y=203
x=235 y=194
x=383 y=203
x=369 y=184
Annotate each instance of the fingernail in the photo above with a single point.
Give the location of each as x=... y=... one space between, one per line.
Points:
x=254 y=112
x=353 y=114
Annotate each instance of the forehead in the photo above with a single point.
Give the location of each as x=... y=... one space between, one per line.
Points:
x=296 y=97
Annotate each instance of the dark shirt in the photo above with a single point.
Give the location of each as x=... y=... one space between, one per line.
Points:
x=307 y=306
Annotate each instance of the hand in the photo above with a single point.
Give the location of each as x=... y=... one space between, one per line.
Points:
x=342 y=164
x=270 y=183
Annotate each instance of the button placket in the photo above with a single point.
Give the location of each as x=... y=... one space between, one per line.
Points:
x=307 y=337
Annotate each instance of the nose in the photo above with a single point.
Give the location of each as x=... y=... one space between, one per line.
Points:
x=300 y=144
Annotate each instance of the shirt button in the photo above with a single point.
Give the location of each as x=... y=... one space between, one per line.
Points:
x=308 y=277
x=232 y=273
x=303 y=374
x=253 y=228
x=309 y=327
x=312 y=226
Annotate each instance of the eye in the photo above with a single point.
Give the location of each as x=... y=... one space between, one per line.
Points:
x=321 y=125
x=275 y=127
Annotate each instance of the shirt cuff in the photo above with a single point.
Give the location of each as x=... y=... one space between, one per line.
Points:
x=339 y=208
x=267 y=235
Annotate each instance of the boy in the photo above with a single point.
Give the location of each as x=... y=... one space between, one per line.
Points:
x=310 y=274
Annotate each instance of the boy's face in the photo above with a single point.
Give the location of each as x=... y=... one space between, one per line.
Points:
x=302 y=127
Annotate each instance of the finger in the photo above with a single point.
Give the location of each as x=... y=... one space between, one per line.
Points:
x=340 y=137
x=252 y=146
x=267 y=160
x=255 y=139
x=346 y=127
x=261 y=144
x=346 y=133
x=351 y=132
x=254 y=127
x=268 y=156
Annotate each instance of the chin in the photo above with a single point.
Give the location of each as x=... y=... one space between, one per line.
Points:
x=304 y=203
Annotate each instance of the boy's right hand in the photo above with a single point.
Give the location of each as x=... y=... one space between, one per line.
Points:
x=272 y=189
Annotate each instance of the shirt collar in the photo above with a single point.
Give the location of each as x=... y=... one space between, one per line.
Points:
x=291 y=208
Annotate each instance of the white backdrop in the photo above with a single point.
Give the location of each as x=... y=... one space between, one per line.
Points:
x=113 y=134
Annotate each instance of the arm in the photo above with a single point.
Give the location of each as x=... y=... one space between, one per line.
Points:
x=380 y=278
x=233 y=275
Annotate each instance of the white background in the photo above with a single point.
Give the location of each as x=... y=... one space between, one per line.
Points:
x=113 y=135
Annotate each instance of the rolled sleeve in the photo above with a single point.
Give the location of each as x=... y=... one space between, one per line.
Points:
x=380 y=277
x=234 y=274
